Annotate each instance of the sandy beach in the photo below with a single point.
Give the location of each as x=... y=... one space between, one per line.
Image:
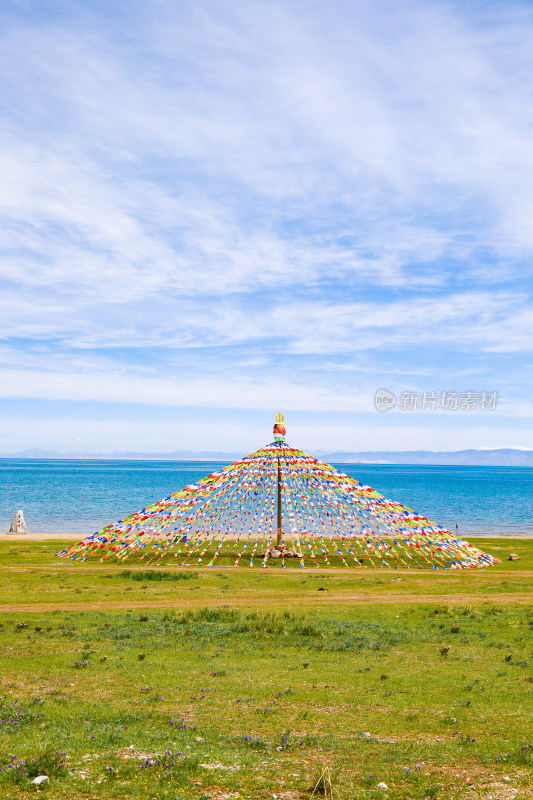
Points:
x=40 y=537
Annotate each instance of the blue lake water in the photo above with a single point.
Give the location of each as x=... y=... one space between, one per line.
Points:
x=81 y=496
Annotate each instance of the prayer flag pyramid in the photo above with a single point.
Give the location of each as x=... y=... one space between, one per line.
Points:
x=280 y=503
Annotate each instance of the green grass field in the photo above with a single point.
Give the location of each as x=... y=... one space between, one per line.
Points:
x=125 y=682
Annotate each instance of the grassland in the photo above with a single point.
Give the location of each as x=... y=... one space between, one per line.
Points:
x=125 y=682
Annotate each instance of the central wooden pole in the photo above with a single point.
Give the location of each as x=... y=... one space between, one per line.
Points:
x=279 y=505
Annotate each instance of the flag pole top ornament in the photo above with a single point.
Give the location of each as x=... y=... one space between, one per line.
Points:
x=279 y=430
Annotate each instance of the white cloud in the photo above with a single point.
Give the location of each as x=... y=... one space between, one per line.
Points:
x=206 y=392
x=411 y=140
x=223 y=391
x=490 y=322
x=238 y=185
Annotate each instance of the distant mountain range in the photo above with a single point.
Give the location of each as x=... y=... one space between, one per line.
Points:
x=498 y=457
x=131 y=455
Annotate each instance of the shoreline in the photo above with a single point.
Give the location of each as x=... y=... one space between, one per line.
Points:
x=43 y=537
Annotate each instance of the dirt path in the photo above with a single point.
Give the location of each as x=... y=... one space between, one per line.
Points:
x=326 y=600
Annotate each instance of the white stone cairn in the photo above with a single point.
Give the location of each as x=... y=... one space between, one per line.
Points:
x=18 y=525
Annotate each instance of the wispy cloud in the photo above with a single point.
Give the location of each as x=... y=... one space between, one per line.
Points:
x=193 y=190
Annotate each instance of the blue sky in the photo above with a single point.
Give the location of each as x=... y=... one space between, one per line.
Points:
x=213 y=211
